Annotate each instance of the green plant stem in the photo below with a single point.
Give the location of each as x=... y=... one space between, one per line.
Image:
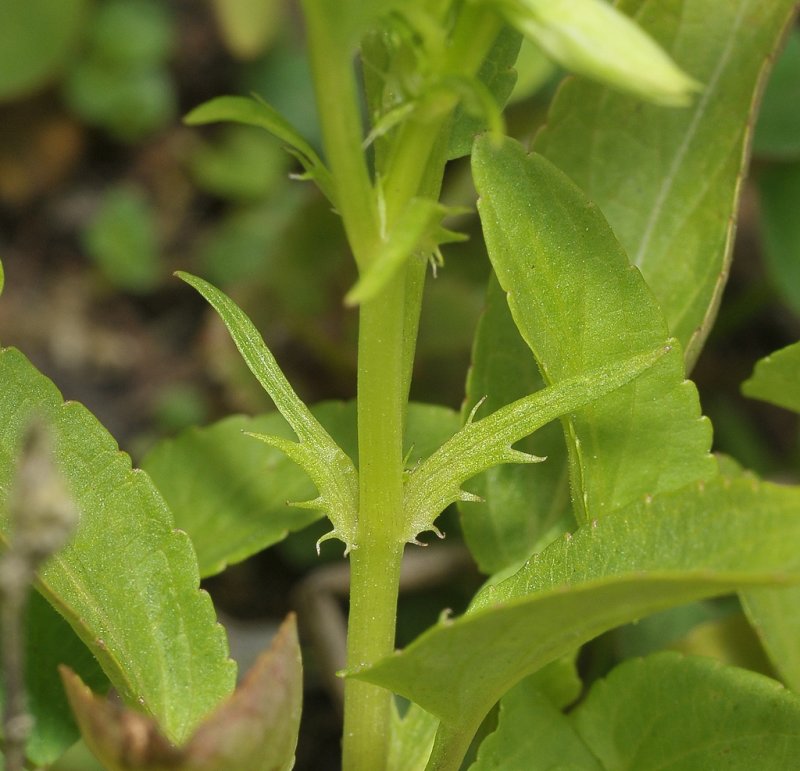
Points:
x=375 y=563
x=450 y=746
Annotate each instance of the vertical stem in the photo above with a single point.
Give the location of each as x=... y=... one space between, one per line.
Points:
x=16 y=721
x=375 y=564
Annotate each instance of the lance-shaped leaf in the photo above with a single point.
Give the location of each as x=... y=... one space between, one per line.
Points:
x=256 y=729
x=522 y=504
x=578 y=304
x=436 y=482
x=592 y=38
x=255 y=112
x=329 y=467
x=704 y=540
x=127 y=583
x=418 y=230
x=668 y=180
x=776 y=379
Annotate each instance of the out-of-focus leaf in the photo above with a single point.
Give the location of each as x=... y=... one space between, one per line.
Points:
x=498 y=75
x=243 y=165
x=249 y=26
x=36 y=39
x=256 y=729
x=776 y=379
x=122 y=240
x=703 y=540
x=522 y=503
x=254 y=112
x=129 y=104
x=778 y=128
x=49 y=642
x=779 y=201
x=668 y=180
x=131 y=34
x=667 y=711
x=578 y=303
x=127 y=583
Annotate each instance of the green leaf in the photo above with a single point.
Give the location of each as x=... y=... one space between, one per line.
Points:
x=256 y=729
x=776 y=379
x=778 y=128
x=249 y=26
x=436 y=482
x=411 y=739
x=36 y=39
x=592 y=38
x=417 y=232
x=326 y=463
x=579 y=304
x=779 y=198
x=668 y=180
x=523 y=504
x=255 y=112
x=231 y=494
x=704 y=540
x=775 y=616
x=533 y=735
x=128 y=582
x=49 y=642
x=667 y=711
x=498 y=76
x=122 y=239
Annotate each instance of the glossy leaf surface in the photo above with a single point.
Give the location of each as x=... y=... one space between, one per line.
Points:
x=668 y=180
x=703 y=540
x=578 y=303
x=128 y=582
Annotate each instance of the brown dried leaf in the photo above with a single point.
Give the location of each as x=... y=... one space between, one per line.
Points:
x=256 y=729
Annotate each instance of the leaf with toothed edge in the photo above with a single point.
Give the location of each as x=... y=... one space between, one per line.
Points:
x=436 y=482
x=704 y=540
x=329 y=467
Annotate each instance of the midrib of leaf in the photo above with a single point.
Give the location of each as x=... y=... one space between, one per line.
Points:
x=683 y=147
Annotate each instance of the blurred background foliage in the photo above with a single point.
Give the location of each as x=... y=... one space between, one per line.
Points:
x=103 y=193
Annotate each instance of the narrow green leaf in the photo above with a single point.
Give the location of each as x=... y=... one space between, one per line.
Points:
x=592 y=38
x=411 y=739
x=579 y=304
x=232 y=494
x=669 y=180
x=418 y=231
x=667 y=711
x=778 y=129
x=523 y=504
x=436 y=482
x=779 y=200
x=255 y=112
x=704 y=540
x=128 y=582
x=776 y=379
x=324 y=461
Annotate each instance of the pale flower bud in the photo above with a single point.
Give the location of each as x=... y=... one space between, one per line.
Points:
x=592 y=38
